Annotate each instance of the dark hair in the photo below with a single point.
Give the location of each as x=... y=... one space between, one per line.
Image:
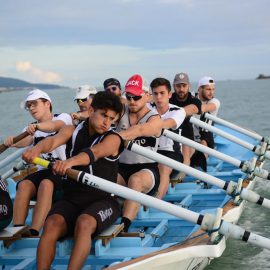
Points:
x=111 y=81
x=160 y=82
x=44 y=100
x=107 y=100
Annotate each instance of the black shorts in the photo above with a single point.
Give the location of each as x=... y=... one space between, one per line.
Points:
x=172 y=154
x=38 y=176
x=6 y=209
x=126 y=170
x=105 y=211
x=208 y=137
x=198 y=160
x=177 y=156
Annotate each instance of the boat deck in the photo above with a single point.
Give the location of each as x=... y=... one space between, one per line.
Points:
x=155 y=232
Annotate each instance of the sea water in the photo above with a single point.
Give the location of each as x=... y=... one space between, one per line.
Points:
x=243 y=102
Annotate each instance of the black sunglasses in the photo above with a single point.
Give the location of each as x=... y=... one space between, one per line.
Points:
x=113 y=88
x=81 y=100
x=135 y=98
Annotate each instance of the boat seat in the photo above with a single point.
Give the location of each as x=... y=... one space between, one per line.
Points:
x=108 y=234
x=11 y=234
x=132 y=234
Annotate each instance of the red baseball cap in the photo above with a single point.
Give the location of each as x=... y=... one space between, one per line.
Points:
x=136 y=85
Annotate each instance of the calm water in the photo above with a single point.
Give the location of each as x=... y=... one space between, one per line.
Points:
x=245 y=103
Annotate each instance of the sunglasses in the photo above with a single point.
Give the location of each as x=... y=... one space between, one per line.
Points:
x=113 y=88
x=29 y=104
x=135 y=98
x=81 y=100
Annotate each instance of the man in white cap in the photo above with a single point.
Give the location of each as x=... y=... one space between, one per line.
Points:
x=210 y=104
x=143 y=126
x=84 y=96
x=41 y=185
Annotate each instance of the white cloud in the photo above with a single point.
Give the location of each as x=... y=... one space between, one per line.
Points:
x=37 y=74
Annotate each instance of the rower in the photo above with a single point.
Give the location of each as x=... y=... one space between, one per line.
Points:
x=112 y=85
x=172 y=116
x=182 y=97
x=42 y=186
x=210 y=104
x=143 y=126
x=83 y=211
x=84 y=97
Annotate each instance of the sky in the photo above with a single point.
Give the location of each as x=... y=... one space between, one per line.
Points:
x=75 y=42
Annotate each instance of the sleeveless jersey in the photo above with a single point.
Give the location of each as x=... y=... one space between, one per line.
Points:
x=106 y=167
x=129 y=157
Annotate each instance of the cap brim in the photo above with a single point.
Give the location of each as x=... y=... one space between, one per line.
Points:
x=134 y=92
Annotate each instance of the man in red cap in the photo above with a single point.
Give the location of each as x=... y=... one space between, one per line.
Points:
x=143 y=126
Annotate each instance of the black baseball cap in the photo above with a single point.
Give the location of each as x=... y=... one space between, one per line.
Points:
x=111 y=81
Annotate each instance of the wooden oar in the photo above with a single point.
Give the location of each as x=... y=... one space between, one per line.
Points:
x=257 y=149
x=206 y=221
x=16 y=139
x=231 y=188
x=249 y=133
x=245 y=166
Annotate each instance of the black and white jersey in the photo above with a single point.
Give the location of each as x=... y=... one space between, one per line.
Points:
x=186 y=127
x=59 y=152
x=106 y=167
x=178 y=115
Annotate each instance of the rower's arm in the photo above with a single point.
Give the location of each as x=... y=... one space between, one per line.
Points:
x=49 y=144
x=51 y=125
x=209 y=107
x=152 y=127
x=28 y=140
x=175 y=120
x=108 y=147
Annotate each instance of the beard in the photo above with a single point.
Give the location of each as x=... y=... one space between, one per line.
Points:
x=205 y=98
x=182 y=95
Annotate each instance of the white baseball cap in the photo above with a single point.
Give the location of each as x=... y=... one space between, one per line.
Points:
x=85 y=91
x=34 y=95
x=206 y=81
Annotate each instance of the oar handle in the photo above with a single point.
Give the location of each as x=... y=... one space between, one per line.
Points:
x=16 y=139
x=71 y=173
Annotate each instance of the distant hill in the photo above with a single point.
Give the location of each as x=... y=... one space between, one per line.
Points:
x=262 y=76
x=16 y=84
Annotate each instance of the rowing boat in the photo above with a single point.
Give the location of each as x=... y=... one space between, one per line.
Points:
x=156 y=239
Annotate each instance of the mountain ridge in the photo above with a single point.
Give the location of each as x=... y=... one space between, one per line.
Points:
x=7 y=83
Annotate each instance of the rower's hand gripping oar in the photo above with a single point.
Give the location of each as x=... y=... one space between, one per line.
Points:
x=16 y=139
x=205 y=221
x=231 y=188
x=259 y=150
x=245 y=166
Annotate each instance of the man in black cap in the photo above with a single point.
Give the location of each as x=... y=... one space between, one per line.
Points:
x=112 y=85
x=192 y=105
